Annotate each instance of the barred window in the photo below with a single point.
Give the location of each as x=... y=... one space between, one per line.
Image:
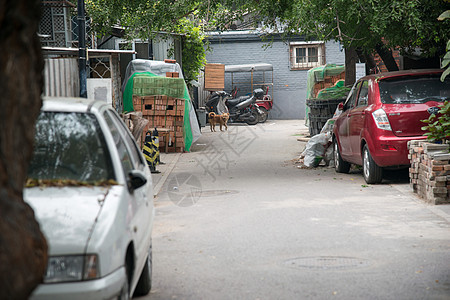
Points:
x=306 y=55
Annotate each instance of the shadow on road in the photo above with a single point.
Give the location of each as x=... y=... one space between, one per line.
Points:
x=400 y=176
x=396 y=176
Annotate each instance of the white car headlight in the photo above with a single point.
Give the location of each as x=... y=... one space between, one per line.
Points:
x=71 y=268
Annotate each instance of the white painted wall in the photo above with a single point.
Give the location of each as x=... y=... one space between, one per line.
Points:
x=100 y=89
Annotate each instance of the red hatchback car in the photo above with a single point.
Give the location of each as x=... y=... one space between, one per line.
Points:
x=381 y=114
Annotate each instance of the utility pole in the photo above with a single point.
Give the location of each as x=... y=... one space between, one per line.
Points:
x=82 y=48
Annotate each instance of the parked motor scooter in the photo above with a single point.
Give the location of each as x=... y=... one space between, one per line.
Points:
x=263 y=102
x=216 y=102
x=244 y=108
x=241 y=109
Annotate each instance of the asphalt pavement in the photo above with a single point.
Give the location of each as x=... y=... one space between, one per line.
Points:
x=239 y=218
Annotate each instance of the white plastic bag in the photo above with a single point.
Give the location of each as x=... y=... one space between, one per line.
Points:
x=315 y=149
x=328 y=127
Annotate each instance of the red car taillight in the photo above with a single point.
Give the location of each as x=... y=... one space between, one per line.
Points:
x=381 y=119
x=388 y=147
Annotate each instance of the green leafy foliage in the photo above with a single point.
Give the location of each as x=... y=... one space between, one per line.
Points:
x=193 y=53
x=446 y=59
x=365 y=23
x=144 y=19
x=438 y=128
x=361 y=24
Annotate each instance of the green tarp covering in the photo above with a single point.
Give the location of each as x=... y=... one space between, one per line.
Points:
x=337 y=91
x=318 y=74
x=149 y=84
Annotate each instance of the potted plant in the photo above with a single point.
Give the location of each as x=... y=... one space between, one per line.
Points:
x=438 y=125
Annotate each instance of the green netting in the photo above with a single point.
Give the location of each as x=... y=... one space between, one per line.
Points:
x=187 y=130
x=149 y=84
x=319 y=73
x=143 y=85
x=128 y=92
x=338 y=91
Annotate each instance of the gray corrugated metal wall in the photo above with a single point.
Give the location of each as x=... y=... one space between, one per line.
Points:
x=202 y=93
x=61 y=77
x=161 y=46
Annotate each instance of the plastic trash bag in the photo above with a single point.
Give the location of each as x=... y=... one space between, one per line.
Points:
x=316 y=149
x=329 y=158
x=337 y=112
x=328 y=127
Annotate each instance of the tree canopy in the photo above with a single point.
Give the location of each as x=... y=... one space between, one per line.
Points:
x=365 y=23
x=361 y=24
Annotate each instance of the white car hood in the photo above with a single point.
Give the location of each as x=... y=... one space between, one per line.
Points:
x=67 y=215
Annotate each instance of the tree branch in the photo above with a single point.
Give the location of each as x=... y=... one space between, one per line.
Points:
x=338 y=28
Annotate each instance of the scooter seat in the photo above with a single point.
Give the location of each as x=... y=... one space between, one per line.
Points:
x=234 y=102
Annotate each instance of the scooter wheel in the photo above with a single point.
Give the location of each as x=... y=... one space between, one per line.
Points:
x=264 y=115
x=253 y=119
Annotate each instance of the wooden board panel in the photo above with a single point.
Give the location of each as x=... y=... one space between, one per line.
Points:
x=214 y=77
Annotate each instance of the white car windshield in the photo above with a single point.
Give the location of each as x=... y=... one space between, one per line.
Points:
x=414 y=89
x=70 y=146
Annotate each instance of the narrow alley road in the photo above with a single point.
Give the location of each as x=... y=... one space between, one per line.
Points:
x=236 y=219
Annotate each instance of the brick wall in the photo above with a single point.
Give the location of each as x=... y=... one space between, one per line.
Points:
x=430 y=171
x=289 y=90
x=380 y=64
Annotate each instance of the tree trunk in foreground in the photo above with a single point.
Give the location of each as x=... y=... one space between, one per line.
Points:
x=23 y=249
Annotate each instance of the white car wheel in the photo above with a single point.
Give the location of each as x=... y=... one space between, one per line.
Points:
x=371 y=171
x=340 y=165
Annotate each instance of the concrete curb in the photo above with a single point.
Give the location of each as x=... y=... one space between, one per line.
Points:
x=165 y=175
x=439 y=210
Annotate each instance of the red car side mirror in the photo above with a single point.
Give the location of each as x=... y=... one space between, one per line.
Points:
x=341 y=106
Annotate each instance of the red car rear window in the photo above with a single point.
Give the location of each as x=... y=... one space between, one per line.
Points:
x=414 y=89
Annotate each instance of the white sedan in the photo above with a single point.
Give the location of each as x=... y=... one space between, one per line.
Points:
x=91 y=191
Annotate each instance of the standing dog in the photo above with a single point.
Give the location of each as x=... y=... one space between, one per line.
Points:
x=218 y=119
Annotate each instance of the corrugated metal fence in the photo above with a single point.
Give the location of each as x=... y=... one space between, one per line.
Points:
x=202 y=93
x=61 y=77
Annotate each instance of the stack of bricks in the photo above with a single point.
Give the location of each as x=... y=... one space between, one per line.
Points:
x=163 y=112
x=327 y=82
x=430 y=171
x=172 y=74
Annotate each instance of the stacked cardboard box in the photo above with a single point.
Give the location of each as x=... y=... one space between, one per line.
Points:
x=163 y=112
x=430 y=171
